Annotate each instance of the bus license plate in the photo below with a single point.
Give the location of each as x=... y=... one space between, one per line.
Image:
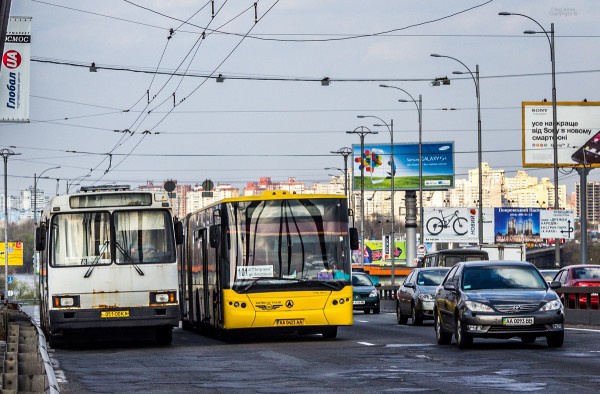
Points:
x=289 y=322
x=517 y=321
x=113 y=314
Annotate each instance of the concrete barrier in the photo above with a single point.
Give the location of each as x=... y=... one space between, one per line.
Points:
x=25 y=363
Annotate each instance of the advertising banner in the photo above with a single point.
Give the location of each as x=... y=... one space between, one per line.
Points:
x=15 y=253
x=437 y=166
x=15 y=71
x=517 y=225
x=451 y=224
x=578 y=137
x=375 y=255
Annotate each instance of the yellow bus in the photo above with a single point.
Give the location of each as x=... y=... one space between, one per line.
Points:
x=275 y=261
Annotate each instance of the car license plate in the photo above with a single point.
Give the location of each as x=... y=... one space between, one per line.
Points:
x=114 y=314
x=359 y=302
x=289 y=322
x=517 y=321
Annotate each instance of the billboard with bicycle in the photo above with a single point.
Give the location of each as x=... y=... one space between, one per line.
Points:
x=450 y=224
x=437 y=166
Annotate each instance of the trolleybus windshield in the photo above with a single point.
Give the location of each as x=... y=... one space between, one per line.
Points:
x=84 y=238
x=283 y=243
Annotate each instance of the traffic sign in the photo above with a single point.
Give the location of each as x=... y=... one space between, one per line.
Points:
x=557 y=224
x=10 y=279
x=421 y=249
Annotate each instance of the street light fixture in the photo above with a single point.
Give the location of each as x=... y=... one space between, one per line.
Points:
x=554 y=129
x=35 y=180
x=390 y=128
x=362 y=131
x=475 y=77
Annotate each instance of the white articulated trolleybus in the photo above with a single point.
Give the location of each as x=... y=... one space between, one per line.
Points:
x=108 y=262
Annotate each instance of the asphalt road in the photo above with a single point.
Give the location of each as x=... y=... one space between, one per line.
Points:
x=375 y=355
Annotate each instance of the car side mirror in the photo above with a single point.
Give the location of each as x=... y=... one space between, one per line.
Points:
x=377 y=285
x=555 y=284
x=450 y=286
x=409 y=284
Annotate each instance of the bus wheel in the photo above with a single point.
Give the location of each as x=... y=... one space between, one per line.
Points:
x=164 y=335
x=330 y=332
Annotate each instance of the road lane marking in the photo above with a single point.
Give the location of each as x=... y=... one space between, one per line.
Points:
x=409 y=344
x=366 y=343
x=582 y=329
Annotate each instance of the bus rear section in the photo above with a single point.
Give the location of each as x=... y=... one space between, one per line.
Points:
x=276 y=261
x=108 y=265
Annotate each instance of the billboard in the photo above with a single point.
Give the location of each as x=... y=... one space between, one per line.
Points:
x=437 y=166
x=578 y=138
x=375 y=255
x=15 y=71
x=456 y=224
x=15 y=253
x=517 y=225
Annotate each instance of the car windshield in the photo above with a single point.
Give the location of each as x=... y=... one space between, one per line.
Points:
x=361 y=280
x=431 y=277
x=502 y=277
x=586 y=273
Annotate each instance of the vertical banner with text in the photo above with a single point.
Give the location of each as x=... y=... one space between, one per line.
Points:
x=15 y=71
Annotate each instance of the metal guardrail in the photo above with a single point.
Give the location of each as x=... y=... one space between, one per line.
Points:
x=584 y=308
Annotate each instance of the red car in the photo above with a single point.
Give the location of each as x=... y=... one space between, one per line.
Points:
x=580 y=275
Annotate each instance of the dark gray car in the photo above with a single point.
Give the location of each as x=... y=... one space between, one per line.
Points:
x=497 y=299
x=416 y=294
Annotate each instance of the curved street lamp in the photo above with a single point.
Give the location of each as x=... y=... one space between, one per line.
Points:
x=362 y=131
x=475 y=77
x=35 y=180
x=550 y=38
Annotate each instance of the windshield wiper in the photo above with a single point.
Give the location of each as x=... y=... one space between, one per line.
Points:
x=335 y=285
x=128 y=258
x=96 y=260
x=261 y=278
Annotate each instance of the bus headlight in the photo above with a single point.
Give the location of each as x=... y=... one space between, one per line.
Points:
x=163 y=297
x=70 y=301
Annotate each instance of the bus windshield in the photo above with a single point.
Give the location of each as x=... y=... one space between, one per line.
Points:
x=80 y=239
x=288 y=242
x=84 y=238
x=143 y=237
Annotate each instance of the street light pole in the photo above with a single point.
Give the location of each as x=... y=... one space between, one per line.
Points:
x=554 y=120
x=419 y=104
x=362 y=131
x=6 y=153
x=475 y=78
x=345 y=152
x=390 y=128
x=35 y=179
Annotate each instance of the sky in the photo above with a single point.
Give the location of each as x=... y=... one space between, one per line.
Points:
x=134 y=121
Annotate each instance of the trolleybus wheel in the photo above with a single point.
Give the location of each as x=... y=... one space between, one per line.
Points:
x=164 y=335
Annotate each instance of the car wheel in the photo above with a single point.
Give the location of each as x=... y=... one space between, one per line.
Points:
x=463 y=340
x=528 y=339
x=367 y=311
x=442 y=337
x=556 y=339
x=376 y=311
x=399 y=316
x=416 y=320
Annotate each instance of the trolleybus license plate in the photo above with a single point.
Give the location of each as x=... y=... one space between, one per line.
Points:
x=289 y=322
x=108 y=314
x=517 y=321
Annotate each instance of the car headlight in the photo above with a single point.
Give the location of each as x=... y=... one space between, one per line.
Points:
x=553 y=305
x=373 y=293
x=478 y=307
x=426 y=297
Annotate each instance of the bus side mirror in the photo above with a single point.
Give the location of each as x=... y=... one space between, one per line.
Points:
x=354 y=245
x=213 y=236
x=40 y=238
x=178 y=226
